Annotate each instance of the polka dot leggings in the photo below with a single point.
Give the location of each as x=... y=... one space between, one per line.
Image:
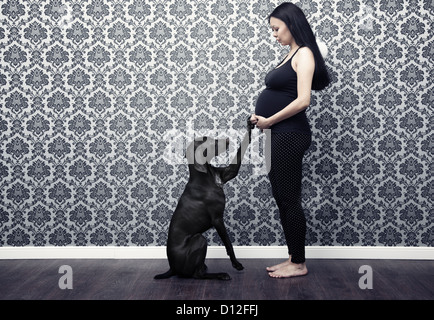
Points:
x=287 y=151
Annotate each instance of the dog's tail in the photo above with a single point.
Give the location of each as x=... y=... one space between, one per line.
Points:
x=166 y=275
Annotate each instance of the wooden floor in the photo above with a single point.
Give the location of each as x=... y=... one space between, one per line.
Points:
x=97 y=279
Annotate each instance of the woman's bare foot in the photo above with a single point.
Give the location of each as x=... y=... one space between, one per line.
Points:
x=280 y=265
x=290 y=270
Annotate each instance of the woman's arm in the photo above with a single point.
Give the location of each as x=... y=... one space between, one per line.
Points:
x=305 y=67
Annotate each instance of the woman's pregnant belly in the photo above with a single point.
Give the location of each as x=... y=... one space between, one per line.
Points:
x=272 y=101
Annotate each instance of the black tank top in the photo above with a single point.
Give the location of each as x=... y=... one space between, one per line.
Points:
x=281 y=90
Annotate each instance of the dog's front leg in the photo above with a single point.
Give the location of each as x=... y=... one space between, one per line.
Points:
x=222 y=232
x=231 y=171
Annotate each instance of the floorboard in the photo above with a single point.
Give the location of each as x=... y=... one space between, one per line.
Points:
x=124 y=279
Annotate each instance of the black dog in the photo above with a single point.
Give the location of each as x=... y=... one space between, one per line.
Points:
x=200 y=208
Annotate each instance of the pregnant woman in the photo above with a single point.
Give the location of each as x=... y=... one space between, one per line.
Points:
x=281 y=108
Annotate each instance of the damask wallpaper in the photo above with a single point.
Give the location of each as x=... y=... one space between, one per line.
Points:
x=99 y=97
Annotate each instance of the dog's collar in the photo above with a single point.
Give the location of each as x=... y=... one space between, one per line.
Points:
x=216 y=177
x=218 y=181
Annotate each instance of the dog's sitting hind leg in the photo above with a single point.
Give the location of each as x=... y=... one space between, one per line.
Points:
x=196 y=258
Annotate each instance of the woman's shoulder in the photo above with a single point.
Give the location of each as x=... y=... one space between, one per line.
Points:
x=305 y=51
x=304 y=54
x=304 y=57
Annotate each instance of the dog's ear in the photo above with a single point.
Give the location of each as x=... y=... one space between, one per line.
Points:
x=201 y=168
x=196 y=154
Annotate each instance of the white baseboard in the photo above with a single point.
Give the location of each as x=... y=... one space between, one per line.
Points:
x=217 y=252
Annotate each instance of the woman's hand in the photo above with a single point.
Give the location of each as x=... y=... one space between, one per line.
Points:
x=261 y=122
x=253 y=119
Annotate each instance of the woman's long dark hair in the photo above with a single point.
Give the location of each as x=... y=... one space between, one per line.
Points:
x=300 y=29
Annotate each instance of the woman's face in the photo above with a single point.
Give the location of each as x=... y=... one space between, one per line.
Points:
x=281 y=31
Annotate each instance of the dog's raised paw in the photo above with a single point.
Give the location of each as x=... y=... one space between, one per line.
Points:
x=250 y=125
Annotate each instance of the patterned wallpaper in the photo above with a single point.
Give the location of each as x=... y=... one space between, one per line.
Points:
x=94 y=93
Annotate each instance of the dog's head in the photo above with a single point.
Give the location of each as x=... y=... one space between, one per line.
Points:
x=203 y=149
